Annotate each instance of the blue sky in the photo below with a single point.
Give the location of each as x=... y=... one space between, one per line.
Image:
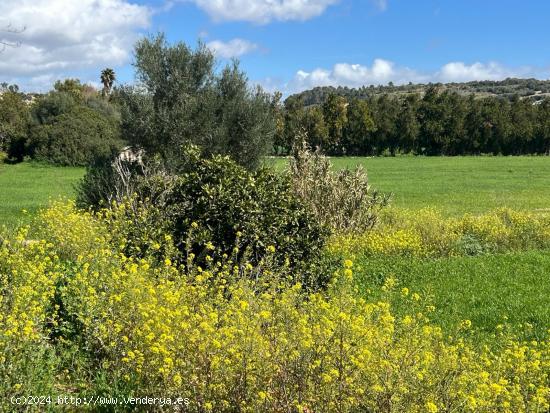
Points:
x=289 y=45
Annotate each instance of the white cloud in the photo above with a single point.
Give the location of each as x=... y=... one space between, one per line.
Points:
x=383 y=71
x=233 y=48
x=461 y=72
x=354 y=75
x=64 y=36
x=263 y=11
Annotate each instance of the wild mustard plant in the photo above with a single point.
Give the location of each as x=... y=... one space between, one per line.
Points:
x=230 y=341
x=426 y=233
x=28 y=276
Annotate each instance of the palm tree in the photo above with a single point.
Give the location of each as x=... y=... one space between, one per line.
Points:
x=108 y=77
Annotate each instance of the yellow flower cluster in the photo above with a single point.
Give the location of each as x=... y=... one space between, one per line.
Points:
x=426 y=233
x=28 y=275
x=232 y=343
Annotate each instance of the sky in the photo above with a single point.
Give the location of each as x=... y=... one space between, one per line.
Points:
x=285 y=45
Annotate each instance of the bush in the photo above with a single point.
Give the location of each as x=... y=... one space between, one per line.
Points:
x=74 y=138
x=110 y=179
x=68 y=126
x=232 y=207
x=52 y=105
x=217 y=202
x=14 y=122
x=341 y=200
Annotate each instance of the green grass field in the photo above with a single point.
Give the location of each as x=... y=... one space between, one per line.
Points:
x=458 y=184
x=29 y=186
x=454 y=184
x=482 y=288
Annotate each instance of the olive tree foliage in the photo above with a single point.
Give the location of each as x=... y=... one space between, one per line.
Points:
x=342 y=200
x=182 y=99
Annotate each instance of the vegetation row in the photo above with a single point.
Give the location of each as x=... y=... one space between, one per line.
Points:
x=218 y=111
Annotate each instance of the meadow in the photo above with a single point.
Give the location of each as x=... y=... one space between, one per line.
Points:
x=457 y=185
x=454 y=185
x=482 y=288
x=490 y=290
x=29 y=186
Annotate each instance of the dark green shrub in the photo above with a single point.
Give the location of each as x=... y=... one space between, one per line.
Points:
x=74 y=138
x=226 y=202
x=14 y=123
x=104 y=108
x=212 y=207
x=116 y=179
x=102 y=184
x=70 y=125
x=54 y=104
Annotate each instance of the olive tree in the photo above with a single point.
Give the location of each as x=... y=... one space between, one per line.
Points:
x=182 y=99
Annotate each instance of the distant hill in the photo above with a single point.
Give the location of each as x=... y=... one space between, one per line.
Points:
x=526 y=88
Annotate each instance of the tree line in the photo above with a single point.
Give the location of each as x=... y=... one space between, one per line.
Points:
x=181 y=98
x=439 y=122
